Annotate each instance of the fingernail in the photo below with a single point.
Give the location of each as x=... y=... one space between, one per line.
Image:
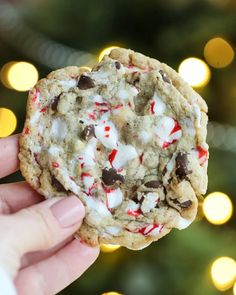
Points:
x=68 y=211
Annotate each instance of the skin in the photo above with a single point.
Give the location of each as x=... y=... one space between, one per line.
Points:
x=35 y=250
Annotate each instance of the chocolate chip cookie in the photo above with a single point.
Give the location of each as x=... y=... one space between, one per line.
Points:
x=128 y=138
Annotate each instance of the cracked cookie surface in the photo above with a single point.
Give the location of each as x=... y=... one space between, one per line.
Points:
x=128 y=138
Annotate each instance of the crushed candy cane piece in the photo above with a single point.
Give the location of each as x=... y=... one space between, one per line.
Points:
x=158 y=107
x=120 y=156
x=168 y=131
x=151 y=229
x=114 y=198
x=202 y=155
x=100 y=133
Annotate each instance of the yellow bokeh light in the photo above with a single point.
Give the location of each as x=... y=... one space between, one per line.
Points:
x=234 y=288
x=8 y=122
x=109 y=248
x=105 y=51
x=111 y=293
x=218 y=53
x=195 y=71
x=21 y=76
x=3 y=73
x=217 y=208
x=223 y=273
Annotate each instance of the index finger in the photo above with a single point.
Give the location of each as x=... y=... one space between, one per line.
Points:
x=9 y=148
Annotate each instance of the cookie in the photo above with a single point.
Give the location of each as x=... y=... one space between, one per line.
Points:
x=128 y=138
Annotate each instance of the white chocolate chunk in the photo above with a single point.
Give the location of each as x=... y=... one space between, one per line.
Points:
x=124 y=154
x=114 y=198
x=149 y=202
x=68 y=83
x=113 y=230
x=34 y=119
x=107 y=134
x=59 y=129
x=158 y=106
x=182 y=223
x=145 y=136
x=197 y=115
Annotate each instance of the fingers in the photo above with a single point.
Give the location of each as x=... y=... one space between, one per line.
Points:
x=16 y=196
x=9 y=148
x=55 y=273
x=35 y=257
x=38 y=227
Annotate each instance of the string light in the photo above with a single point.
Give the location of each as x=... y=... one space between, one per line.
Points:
x=218 y=53
x=111 y=293
x=3 y=73
x=8 y=122
x=223 y=273
x=217 y=208
x=195 y=71
x=107 y=248
x=106 y=51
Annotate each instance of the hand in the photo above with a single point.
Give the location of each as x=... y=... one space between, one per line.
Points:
x=37 y=247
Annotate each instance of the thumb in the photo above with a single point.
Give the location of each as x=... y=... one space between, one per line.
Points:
x=38 y=227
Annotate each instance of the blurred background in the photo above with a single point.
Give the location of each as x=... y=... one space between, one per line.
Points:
x=195 y=37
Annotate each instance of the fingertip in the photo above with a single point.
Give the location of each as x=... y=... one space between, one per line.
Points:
x=86 y=251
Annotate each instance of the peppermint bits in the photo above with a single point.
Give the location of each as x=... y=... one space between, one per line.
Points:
x=202 y=155
x=168 y=131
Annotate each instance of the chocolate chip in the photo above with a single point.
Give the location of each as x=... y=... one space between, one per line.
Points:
x=165 y=77
x=36 y=158
x=109 y=177
x=85 y=82
x=88 y=132
x=183 y=205
x=153 y=184
x=186 y=204
x=55 y=103
x=117 y=64
x=182 y=165
x=82 y=122
x=59 y=187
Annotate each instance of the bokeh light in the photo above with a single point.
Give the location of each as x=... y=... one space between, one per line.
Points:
x=8 y=122
x=195 y=71
x=223 y=273
x=107 y=248
x=105 y=51
x=234 y=289
x=217 y=208
x=111 y=293
x=218 y=53
x=4 y=72
x=20 y=76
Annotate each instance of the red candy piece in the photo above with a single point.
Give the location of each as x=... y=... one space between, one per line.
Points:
x=118 y=106
x=84 y=174
x=202 y=155
x=101 y=103
x=176 y=129
x=43 y=110
x=55 y=165
x=134 y=213
x=26 y=130
x=145 y=231
x=112 y=156
x=152 y=107
x=36 y=98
